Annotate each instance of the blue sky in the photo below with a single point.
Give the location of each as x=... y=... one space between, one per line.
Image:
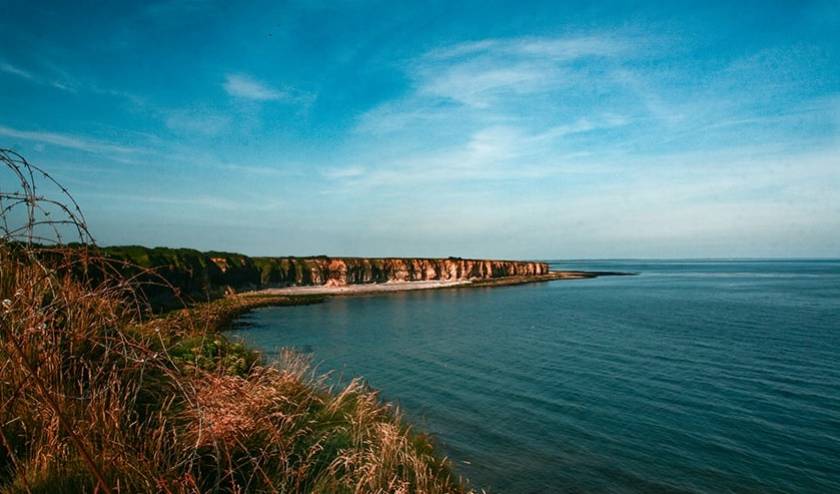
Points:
x=513 y=129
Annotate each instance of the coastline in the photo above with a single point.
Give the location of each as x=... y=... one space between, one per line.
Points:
x=405 y=286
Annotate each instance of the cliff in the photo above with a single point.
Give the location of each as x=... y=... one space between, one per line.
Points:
x=210 y=274
x=286 y=271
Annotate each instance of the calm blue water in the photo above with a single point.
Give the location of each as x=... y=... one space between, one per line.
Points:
x=691 y=377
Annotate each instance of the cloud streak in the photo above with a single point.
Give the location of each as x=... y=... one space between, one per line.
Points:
x=16 y=71
x=485 y=73
x=246 y=87
x=36 y=79
x=67 y=141
x=498 y=81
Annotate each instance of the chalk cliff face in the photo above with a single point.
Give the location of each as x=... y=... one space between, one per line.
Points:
x=285 y=271
x=210 y=274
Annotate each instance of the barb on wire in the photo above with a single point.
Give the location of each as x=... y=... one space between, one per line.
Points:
x=31 y=217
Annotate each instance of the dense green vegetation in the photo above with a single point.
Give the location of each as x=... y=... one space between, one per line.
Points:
x=193 y=274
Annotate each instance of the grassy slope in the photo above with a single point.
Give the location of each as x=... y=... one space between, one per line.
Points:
x=94 y=398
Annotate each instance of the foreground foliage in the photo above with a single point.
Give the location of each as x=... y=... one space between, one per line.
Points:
x=94 y=399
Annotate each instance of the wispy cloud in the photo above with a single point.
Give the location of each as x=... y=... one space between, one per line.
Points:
x=563 y=48
x=339 y=173
x=67 y=141
x=515 y=107
x=244 y=86
x=200 y=201
x=481 y=73
x=54 y=76
x=498 y=81
x=35 y=78
x=282 y=170
x=17 y=71
x=490 y=154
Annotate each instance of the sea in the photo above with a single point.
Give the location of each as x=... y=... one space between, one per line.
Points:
x=707 y=376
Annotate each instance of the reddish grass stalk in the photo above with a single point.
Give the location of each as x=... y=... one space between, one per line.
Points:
x=94 y=469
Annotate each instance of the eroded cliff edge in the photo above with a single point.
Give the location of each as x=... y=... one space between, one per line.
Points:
x=288 y=271
x=210 y=274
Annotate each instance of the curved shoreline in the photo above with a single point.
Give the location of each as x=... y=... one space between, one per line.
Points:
x=404 y=286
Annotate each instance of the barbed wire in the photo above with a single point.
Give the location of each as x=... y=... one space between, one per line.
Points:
x=31 y=217
x=42 y=221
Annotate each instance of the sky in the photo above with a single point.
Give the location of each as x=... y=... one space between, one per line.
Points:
x=515 y=129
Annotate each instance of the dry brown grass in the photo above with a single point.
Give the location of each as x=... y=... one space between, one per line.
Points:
x=95 y=398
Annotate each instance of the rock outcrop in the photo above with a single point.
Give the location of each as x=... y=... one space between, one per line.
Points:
x=340 y=271
x=202 y=275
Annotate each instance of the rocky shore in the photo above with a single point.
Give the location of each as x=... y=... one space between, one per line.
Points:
x=207 y=275
x=407 y=285
x=344 y=271
x=178 y=275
